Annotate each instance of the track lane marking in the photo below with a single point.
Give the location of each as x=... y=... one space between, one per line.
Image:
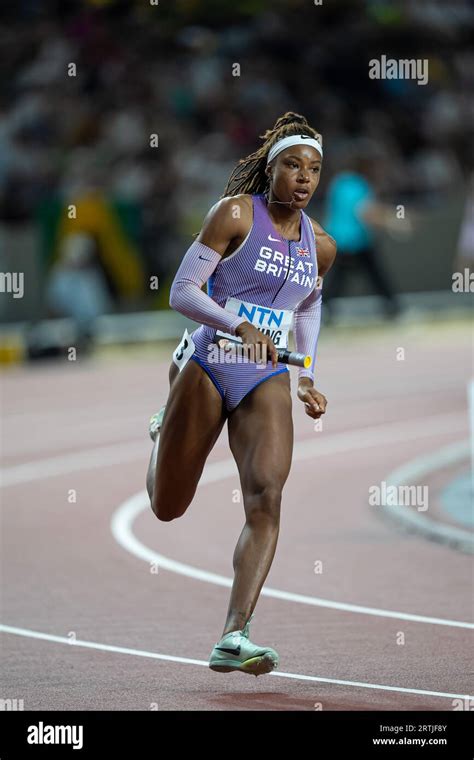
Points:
x=9 y=629
x=124 y=517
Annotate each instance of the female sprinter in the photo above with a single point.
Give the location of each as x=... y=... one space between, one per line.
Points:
x=257 y=253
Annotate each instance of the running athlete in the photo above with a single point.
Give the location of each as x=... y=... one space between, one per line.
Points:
x=257 y=253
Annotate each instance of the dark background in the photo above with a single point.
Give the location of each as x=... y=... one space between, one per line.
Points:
x=143 y=69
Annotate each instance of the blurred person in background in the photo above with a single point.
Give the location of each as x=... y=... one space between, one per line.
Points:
x=76 y=287
x=90 y=232
x=353 y=214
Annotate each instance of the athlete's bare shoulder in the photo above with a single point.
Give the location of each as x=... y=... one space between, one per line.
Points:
x=243 y=201
x=227 y=223
x=326 y=247
x=238 y=207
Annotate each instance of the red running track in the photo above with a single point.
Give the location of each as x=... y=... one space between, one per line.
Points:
x=79 y=431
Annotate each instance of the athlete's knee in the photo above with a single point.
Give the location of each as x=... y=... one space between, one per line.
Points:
x=161 y=513
x=168 y=508
x=263 y=504
x=160 y=509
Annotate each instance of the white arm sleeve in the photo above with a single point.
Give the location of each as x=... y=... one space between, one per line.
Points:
x=186 y=295
x=306 y=325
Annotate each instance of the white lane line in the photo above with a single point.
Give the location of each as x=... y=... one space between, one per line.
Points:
x=413 y=472
x=189 y=661
x=359 y=438
x=122 y=529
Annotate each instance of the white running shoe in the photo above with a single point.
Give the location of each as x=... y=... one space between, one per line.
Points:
x=236 y=652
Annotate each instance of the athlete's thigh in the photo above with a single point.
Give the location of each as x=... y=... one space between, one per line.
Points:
x=261 y=435
x=193 y=419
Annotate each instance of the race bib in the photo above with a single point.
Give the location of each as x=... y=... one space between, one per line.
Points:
x=184 y=351
x=275 y=323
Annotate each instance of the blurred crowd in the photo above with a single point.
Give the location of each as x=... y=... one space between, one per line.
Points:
x=133 y=109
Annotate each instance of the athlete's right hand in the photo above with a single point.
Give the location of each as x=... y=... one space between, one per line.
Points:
x=251 y=336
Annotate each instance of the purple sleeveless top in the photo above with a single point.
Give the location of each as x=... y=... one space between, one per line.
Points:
x=266 y=269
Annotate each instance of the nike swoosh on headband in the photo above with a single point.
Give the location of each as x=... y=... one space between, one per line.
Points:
x=287 y=142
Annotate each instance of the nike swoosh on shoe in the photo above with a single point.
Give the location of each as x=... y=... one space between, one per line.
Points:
x=229 y=650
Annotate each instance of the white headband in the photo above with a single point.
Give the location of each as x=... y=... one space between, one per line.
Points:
x=285 y=142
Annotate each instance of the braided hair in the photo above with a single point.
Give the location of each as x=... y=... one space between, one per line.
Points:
x=249 y=175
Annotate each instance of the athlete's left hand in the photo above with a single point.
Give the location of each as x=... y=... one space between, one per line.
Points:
x=314 y=401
